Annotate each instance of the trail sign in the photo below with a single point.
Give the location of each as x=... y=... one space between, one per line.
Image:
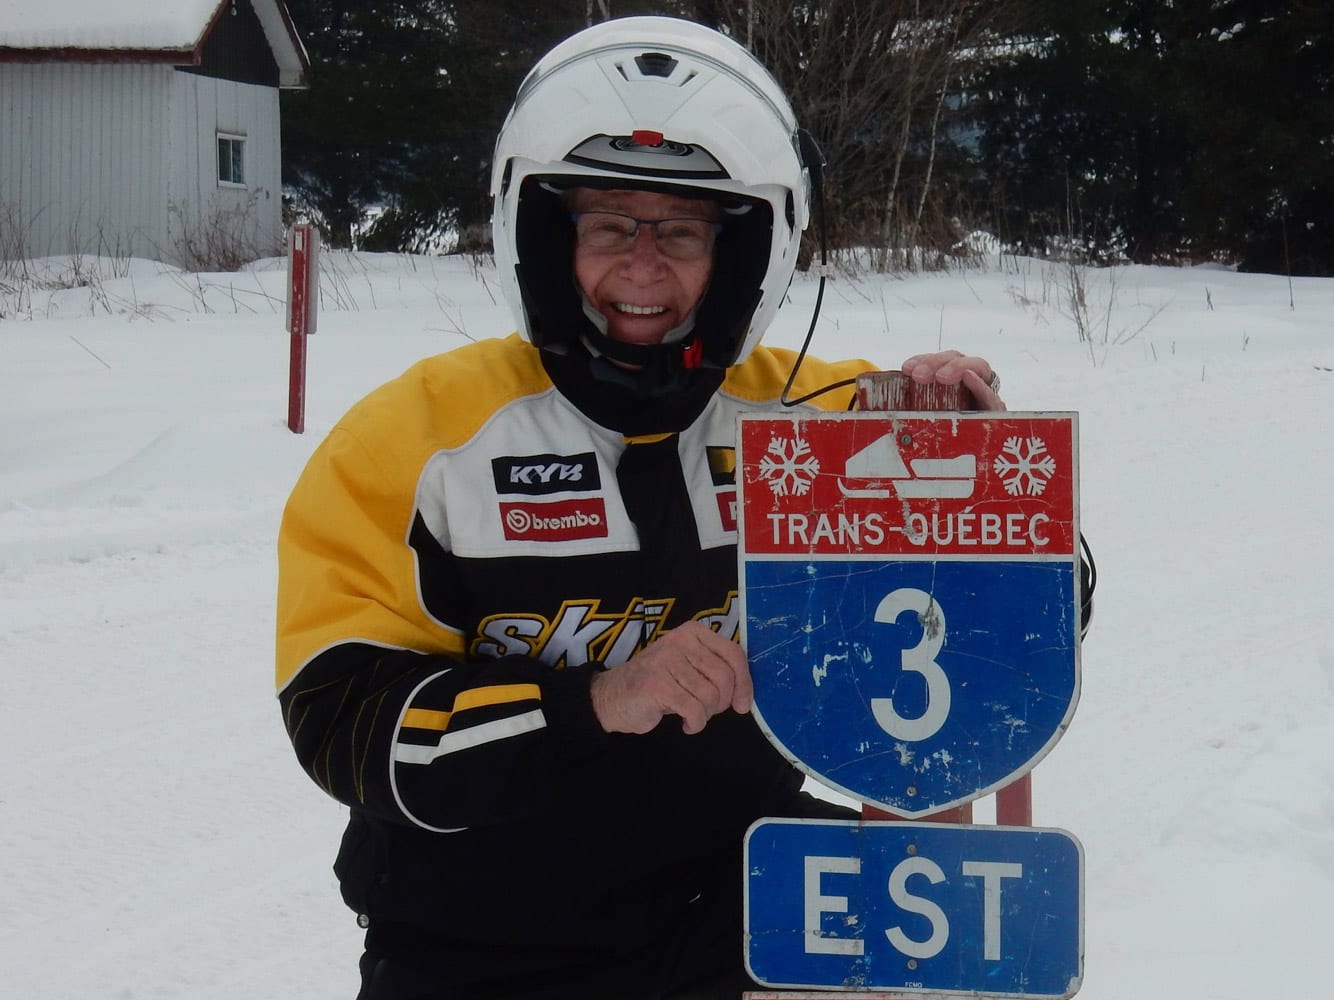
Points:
x=988 y=910
x=909 y=596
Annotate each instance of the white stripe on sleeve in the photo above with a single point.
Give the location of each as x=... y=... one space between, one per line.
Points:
x=487 y=732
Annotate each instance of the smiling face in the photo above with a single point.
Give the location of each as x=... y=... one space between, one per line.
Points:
x=642 y=292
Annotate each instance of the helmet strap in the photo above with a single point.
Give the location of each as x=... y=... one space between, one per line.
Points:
x=649 y=364
x=663 y=397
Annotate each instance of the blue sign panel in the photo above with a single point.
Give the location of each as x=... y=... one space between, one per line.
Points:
x=914 y=906
x=912 y=685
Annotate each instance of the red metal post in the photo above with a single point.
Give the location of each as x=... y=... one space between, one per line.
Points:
x=1014 y=802
x=879 y=391
x=302 y=293
x=296 y=385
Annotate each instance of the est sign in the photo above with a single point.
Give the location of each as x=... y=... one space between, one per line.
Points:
x=988 y=910
x=909 y=596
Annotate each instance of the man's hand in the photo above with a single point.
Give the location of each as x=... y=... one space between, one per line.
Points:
x=691 y=671
x=951 y=367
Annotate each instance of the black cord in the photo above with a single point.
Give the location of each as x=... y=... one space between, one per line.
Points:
x=1088 y=582
x=1093 y=567
x=815 y=162
x=801 y=356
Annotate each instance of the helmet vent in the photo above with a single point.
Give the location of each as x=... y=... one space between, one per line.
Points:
x=649 y=142
x=656 y=64
x=664 y=158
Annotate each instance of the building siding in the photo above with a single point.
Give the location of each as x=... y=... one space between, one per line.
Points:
x=82 y=161
x=247 y=220
x=121 y=160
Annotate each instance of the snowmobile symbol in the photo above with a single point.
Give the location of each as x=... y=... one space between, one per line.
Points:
x=879 y=472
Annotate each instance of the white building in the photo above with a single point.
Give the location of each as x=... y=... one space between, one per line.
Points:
x=143 y=128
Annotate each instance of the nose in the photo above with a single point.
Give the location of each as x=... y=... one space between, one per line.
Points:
x=645 y=256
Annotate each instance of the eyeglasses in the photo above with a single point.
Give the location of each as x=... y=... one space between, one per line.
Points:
x=680 y=239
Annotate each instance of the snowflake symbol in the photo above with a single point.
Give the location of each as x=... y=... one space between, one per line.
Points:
x=1025 y=466
x=789 y=467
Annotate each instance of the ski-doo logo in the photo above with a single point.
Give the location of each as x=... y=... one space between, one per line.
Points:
x=536 y=475
x=582 y=631
x=561 y=521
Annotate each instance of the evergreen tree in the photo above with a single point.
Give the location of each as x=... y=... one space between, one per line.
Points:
x=405 y=101
x=1163 y=130
x=1154 y=129
x=372 y=110
x=1262 y=187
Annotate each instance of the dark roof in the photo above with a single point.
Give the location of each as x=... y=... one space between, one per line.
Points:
x=143 y=31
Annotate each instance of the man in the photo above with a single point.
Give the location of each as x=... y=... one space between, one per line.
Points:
x=508 y=584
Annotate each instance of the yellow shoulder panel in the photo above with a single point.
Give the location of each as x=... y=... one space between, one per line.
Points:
x=345 y=571
x=760 y=379
x=444 y=400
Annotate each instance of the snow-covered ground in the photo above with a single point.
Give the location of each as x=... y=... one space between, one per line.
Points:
x=159 y=840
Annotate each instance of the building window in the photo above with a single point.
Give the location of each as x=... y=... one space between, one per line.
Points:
x=231 y=159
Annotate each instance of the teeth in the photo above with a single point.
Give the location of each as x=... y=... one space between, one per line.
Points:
x=626 y=307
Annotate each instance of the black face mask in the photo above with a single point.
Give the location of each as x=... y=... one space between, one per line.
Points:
x=663 y=397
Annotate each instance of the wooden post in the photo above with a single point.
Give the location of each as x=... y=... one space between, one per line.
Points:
x=303 y=284
x=880 y=391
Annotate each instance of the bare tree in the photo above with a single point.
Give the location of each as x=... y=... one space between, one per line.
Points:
x=872 y=80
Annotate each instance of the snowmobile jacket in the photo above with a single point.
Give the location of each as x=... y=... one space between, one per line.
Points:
x=460 y=556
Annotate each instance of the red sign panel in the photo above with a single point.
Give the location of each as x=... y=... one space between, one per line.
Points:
x=879 y=484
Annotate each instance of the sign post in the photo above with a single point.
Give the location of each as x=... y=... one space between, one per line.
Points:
x=910 y=607
x=303 y=292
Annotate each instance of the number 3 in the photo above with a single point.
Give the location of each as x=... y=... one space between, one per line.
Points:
x=921 y=659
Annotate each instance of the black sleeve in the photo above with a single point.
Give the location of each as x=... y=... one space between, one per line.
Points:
x=442 y=744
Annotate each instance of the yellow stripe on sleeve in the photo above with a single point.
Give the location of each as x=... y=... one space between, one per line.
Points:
x=497 y=694
x=420 y=718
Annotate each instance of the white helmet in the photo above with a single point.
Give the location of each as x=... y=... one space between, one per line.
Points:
x=657 y=103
